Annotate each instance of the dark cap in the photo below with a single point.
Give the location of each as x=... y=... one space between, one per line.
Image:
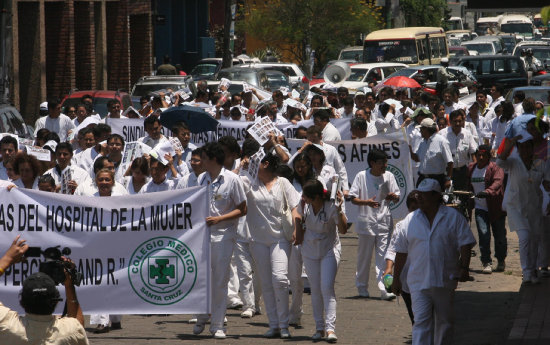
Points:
x=40 y=286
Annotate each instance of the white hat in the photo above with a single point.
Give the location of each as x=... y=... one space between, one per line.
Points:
x=50 y=144
x=330 y=88
x=444 y=60
x=428 y=123
x=429 y=185
x=359 y=93
x=525 y=136
x=44 y=106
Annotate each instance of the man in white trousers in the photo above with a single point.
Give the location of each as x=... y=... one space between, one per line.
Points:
x=227 y=202
x=372 y=190
x=435 y=241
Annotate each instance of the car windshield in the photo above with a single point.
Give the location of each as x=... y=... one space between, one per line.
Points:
x=541 y=53
x=481 y=48
x=537 y=94
x=405 y=72
x=391 y=51
x=146 y=89
x=357 y=74
x=277 y=80
x=249 y=76
x=454 y=41
x=356 y=55
x=525 y=29
x=204 y=69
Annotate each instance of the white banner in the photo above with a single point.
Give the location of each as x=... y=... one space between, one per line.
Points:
x=131 y=129
x=354 y=155
x=138 y=254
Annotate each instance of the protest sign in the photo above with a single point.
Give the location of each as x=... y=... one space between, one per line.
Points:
x=138 y=254
x=131 y=129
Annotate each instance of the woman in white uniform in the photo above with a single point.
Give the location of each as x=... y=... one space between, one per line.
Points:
x=28 y=169
x=270 y=249
x=105 y=181
x=321 y=253
x=523 y=199
x=322 y=171
x=139 y=175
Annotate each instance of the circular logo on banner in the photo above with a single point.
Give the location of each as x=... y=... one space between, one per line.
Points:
x=401 y=183
x=162 y=270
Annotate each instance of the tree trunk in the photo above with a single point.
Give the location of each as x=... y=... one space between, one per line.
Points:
x=227 y=53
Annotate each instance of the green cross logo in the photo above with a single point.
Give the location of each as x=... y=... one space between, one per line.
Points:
x=162 y=271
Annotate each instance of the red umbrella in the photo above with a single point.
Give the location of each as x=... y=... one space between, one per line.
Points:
x=401 y=82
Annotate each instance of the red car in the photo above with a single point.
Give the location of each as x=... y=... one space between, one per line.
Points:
x=100 y=99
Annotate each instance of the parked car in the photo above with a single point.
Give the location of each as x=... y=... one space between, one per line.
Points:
x=455 y=52
x=208 y=68
x=253 y=76
x=351 y=53
x=146 y=85
x=362 y=74
x=539 y=93
x=509 y=41
x=12 y=122
x=277 y=80
x=295 y=74
x=99 y=99
x=540 y=80
x=507 y=70
x=426 y=75
x=541 y=50
x=486 y=45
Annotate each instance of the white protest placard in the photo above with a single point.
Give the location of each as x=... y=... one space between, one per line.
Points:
x=254 y=164
x=354 y=156
x=66 y=176
x=139 y=254
x=40 y=153
x=260 y=130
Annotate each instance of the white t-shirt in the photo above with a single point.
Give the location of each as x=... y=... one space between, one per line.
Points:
x=129 y=184
x=478 y=182
x=265 y=208
x=373 y=221
x=321 y=230
x=60 y=125
x=152 y=187
x=89 y=188
x=188 y=180
x=78 y=175
x=330 y=133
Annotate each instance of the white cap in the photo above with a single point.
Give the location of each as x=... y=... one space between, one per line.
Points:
x=428 y=123
x=44 y=106
x=444 y=60
x=429 y=185
x=525 y=136
x=50 y=144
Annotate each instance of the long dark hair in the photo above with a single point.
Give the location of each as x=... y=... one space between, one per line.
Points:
x=313 y=189
x=310 y=175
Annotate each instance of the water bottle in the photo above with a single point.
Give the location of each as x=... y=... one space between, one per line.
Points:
x=388 y=281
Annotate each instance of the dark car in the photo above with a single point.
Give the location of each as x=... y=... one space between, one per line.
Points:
x=99 y=100
x=506 y=70
x=277 y=80
x=540 y=80
x=253 y=76
x=208 y=68
x=149 y=84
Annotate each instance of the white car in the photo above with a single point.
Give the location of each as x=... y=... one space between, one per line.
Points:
x=362 y=74
x=294 y=72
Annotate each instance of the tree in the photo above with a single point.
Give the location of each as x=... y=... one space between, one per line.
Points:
x=295 y=26
x=423 y=12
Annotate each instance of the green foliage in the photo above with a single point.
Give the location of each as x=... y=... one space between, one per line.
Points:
x=324 y=25
x=424 y=12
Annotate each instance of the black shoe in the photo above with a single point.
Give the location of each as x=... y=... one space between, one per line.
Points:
x=101 y=329
x=116 y=325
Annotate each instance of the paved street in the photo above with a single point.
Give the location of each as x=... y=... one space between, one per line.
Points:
x=485 y=309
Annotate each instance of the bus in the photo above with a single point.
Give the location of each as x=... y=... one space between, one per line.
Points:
x=519 y=25
x=487 y=25
x=412 y=45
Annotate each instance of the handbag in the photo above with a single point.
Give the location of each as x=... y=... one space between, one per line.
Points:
x=286 y=218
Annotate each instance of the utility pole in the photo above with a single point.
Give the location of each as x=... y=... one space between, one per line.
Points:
x=227 y=20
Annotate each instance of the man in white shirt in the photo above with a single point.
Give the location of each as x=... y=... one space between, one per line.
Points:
x=182 y=132
x=373 y=190
x=519 y=96
x=436 y=242
x=485 y=110
x=434 y=155
x=448 y=102
x=321 y=120
x=227 y=201
x=348 y=108
x=67 y=177
x=152 y=126
x=8 y=149
x=86 y=158
x=113 y=106
x=496 y=92
x=462 y=146
x=192 y=178
x=55 y=121
x=89 y=187
x=474 y=121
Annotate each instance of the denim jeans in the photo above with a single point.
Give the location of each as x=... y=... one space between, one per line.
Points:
x=484 y=227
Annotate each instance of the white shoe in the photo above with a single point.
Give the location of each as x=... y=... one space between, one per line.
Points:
x=193 y=320
x=247 y=314
x=198 y=328
x=285 y=334
x=272 y=333
x=387 y=296
x=363 y=292
x=318 y=335
x=332 y=338
x=234 y=304
x=220 y=334
x=487 y=269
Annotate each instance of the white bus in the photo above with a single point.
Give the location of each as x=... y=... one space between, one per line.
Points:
x=412 y=46
x=517 y=24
